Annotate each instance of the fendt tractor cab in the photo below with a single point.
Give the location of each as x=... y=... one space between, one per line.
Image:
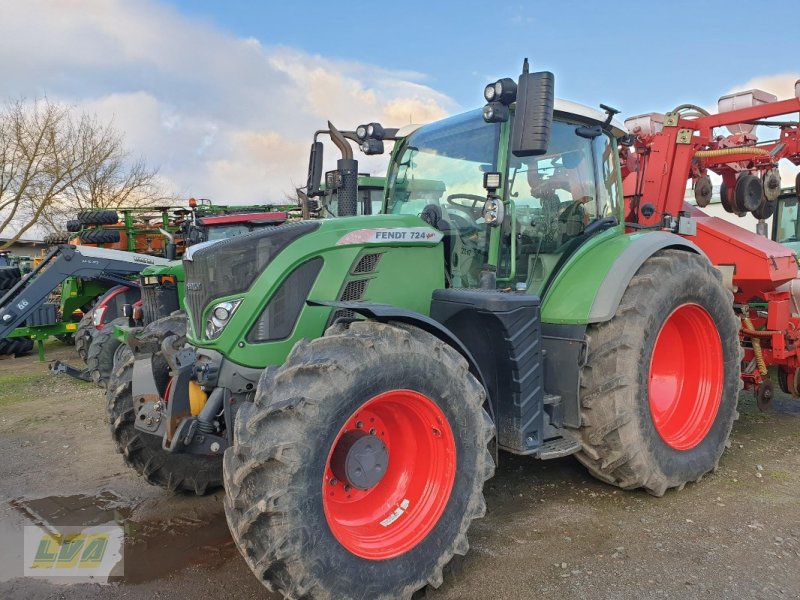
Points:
x=352 y=372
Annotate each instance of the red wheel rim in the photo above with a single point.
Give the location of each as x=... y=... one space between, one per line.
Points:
x=686 y=376
x=399 y=511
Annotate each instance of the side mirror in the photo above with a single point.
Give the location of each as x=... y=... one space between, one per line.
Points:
x=533 y=117
x=314 y=170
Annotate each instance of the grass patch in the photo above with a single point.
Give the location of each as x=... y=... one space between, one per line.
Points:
x=16 y=387
x=19 y=388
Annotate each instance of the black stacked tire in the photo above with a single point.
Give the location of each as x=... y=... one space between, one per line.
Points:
x=143 y=452
x=16 y=346
x=57 y=237
x=103 y=351
x=73 y=225
x=83 y=335
x=9 y=277
x=274 y=471
x=98 y=217
x=99 y=236
x=628 y=440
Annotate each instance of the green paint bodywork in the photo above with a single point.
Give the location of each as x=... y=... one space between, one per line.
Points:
x=393 y=282
x=571 y=294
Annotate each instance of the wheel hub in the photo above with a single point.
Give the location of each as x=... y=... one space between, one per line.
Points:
x=686 y=377
x=360 y=459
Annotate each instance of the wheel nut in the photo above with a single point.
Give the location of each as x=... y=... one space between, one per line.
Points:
x=215 y=447
x=333 y=481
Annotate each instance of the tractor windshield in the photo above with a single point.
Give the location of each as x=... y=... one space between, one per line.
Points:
x=442 y=164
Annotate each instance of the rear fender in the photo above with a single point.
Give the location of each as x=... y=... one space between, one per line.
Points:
x=589 y=288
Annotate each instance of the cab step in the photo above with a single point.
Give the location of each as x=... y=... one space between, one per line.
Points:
x=558 y=448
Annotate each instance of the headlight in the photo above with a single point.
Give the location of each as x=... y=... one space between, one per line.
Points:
x=489 y=92
x=493 y=212
x=218 y=317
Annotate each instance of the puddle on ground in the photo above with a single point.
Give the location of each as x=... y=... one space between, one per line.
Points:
x=153 y=549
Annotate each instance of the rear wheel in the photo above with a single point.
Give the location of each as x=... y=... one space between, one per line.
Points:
x=103 y=351
x=143 y=452
x=660 y=386
x=84 y=334
x=360 y=466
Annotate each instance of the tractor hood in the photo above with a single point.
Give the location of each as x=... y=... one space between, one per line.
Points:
x=249 y=269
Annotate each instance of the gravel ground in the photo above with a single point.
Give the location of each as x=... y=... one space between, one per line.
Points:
x=551 y=531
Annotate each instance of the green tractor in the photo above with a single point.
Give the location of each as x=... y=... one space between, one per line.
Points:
x=347 y=380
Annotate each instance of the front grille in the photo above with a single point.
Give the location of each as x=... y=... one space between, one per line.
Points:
x=158 y=301
x=231 y=266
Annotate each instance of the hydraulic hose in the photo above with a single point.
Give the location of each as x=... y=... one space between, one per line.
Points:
x=754 y=338
x=731 y=152
x=691 y=108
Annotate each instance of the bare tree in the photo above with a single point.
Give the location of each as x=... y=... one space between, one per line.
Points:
x=53 y=163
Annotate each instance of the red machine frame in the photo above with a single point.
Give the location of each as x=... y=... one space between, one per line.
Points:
x=656 y=168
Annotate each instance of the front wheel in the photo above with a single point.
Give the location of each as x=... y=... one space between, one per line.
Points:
x=360 y=466
x=143 y=452
x=662 y=377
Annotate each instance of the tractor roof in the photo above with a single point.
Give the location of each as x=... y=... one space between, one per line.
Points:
x=565 y=107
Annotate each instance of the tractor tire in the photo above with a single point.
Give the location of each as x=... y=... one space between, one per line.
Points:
x=9 y=277
x=98 y=217
x=99 y=236
x=102 y=352
x=73 y=225
x=293 y=514
x=84 y=334
x=661 y=381
x=143 y=452
x=57 y=238
x=16 y=346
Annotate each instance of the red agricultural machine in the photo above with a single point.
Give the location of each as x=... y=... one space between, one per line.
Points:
x=666 y=150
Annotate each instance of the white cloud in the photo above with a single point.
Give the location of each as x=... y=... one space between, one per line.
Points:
x=223 y=117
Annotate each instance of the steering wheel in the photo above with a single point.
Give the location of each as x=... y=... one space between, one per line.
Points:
x=467 y=206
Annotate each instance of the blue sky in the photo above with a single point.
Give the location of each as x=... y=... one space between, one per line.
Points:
x=224 y=96
x=636 y=56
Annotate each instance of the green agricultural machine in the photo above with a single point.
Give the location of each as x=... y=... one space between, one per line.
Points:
x=351 y=381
